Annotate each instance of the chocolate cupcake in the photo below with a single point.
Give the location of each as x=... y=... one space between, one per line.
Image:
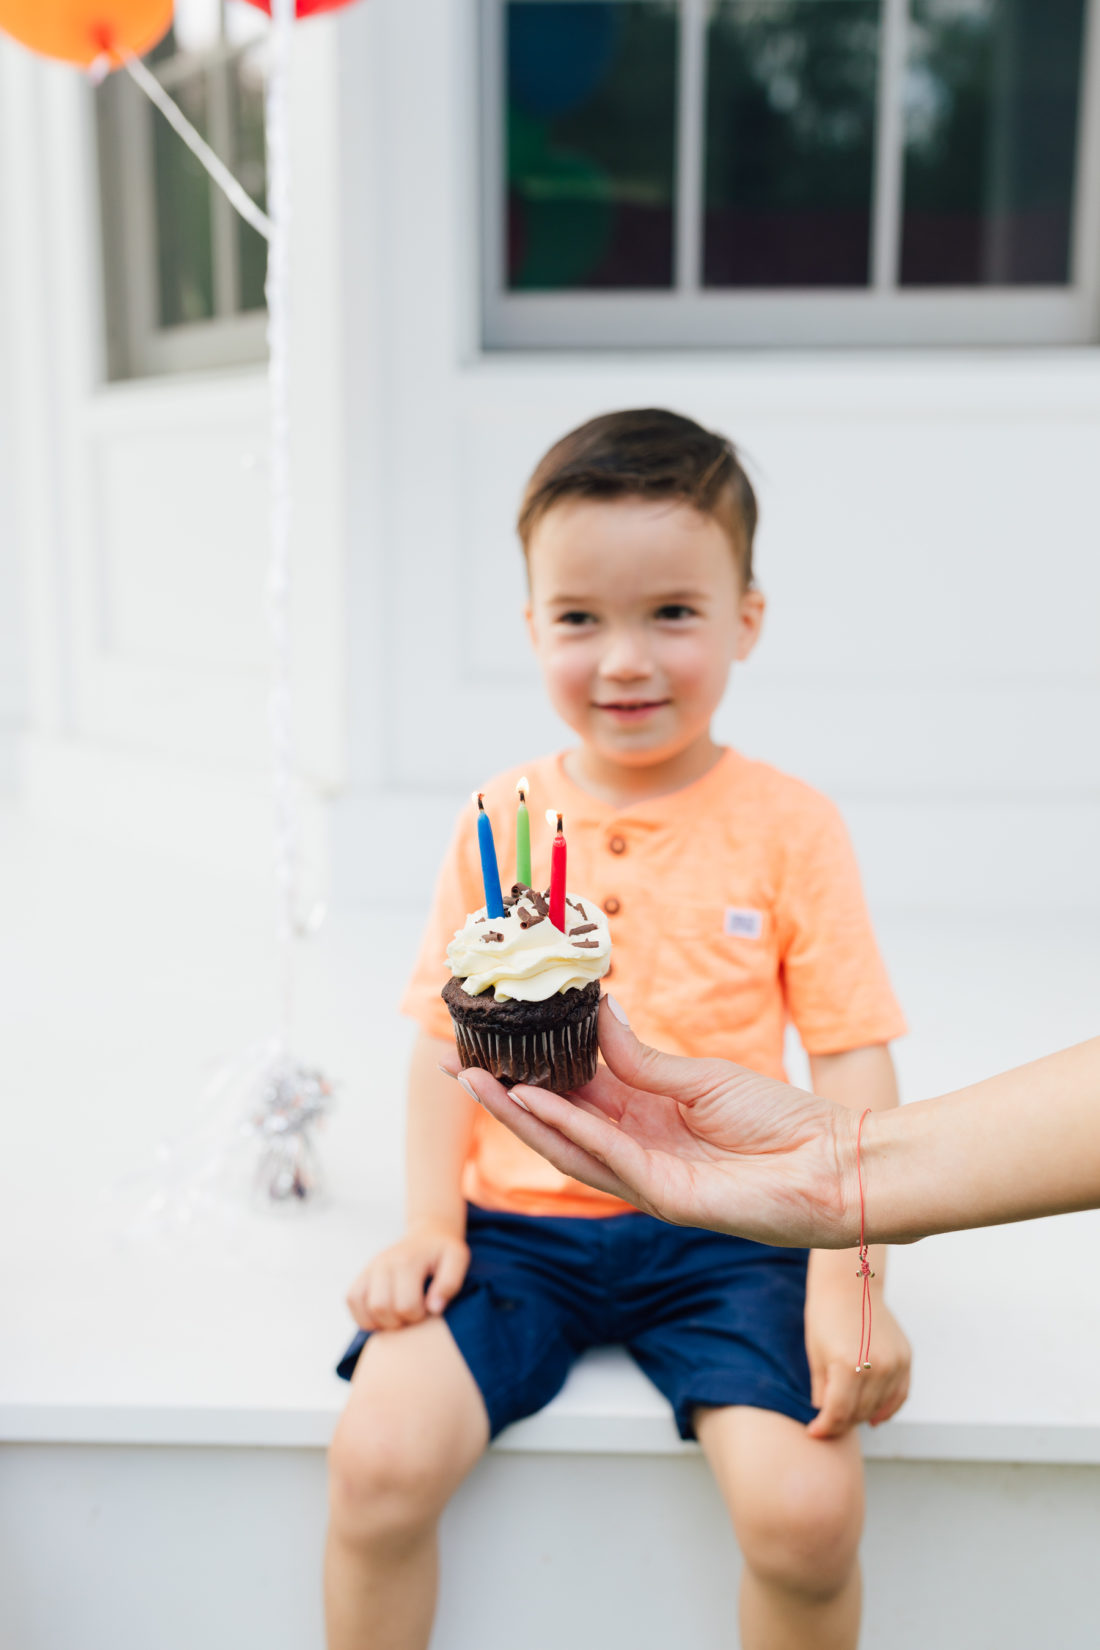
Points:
x=525 y=996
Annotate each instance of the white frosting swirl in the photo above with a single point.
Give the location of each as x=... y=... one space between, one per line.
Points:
x=530 y=963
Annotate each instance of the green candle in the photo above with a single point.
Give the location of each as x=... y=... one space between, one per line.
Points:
x=523 y=836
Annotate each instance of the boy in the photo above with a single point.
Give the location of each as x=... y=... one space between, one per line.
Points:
x=734 y=903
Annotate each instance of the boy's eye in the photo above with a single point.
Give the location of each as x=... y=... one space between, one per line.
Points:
x=675 y=610
x=575 y=617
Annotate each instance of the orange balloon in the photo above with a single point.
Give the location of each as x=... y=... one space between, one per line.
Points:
x=80 y=31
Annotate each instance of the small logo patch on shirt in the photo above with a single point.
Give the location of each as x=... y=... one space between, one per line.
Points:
x=742 y=923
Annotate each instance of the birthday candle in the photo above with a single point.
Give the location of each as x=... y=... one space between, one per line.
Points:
x=557 y=872
x=490 y=876
x=523 y=836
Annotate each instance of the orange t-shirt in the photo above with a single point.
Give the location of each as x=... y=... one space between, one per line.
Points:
x=734 y=905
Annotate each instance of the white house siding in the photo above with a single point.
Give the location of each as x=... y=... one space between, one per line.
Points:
x=927 y=543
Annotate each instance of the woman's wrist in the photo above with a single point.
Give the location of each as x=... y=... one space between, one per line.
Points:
x=848 y=1154
x=896 y=1157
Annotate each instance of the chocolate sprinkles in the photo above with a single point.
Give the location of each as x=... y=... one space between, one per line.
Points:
x=585 y=928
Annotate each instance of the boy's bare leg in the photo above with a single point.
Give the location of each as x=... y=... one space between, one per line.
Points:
x=797 y=1509
x=414 y=1425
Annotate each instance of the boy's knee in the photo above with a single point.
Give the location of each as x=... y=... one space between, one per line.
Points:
x=803 y=1535
x=384 y=1484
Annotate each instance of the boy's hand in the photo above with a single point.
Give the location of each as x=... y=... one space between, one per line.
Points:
x=844 y=1398
x=389 y=1292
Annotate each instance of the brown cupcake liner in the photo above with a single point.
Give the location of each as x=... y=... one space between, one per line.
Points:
x=561 y=1058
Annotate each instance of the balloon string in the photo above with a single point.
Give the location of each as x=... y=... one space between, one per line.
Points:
x=219 y=172
x=280 y=704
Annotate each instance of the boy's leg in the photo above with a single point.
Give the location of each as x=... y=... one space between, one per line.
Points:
x=797 y=1509
x=414 y=1425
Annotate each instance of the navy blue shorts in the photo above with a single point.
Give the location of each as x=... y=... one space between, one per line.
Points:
x=710 y=1319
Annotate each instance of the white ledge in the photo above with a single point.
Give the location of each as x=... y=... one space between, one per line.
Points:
x=225 y=1333
x=606 y=1408
x=545 y=1434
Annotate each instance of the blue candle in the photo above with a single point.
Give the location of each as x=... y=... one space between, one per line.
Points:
x=494 y=904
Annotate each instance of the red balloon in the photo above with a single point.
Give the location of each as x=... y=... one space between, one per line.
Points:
x=80 y=31
x=304 y=8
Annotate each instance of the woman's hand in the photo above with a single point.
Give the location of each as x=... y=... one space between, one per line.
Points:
x=389 y=1292
x=844 y=1396
x=697 y=1142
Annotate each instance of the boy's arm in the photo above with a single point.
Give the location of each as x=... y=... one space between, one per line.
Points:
x=390 y=1291
x=859 y=1078
x=439 y=1125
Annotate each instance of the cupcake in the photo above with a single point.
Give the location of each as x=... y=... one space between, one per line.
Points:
x=525 y=995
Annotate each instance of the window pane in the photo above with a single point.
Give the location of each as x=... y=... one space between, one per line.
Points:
x=790 y=139
x=991 y=126
x=185 y=264
x=591 y=142
x=247 y=95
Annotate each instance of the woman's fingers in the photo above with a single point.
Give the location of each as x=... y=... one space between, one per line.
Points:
x=605 y=1093
x=641 y=1067
x=591 y=1131
x=557 y=1148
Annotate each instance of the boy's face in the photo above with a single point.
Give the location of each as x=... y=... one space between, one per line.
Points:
x=636 y=615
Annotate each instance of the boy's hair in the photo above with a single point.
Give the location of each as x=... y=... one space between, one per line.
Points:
x=647 y=453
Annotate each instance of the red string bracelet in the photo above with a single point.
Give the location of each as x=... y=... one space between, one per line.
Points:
x=864 y=1360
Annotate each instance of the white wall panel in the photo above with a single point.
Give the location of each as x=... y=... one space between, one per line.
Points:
x=13 y=660
x=144 y=506
x=221 y=1548
x=927 y=544
x=182 y=541
x=932 y=583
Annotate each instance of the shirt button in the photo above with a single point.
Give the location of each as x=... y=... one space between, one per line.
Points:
x=617 y=844
x=612 y=906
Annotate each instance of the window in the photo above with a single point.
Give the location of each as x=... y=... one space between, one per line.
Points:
x=183 y=274
x=806 y=172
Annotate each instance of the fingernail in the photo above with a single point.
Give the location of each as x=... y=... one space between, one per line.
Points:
x=445 y=1072
x=470 y=1090
x=617 y=1009
x=519 y=1101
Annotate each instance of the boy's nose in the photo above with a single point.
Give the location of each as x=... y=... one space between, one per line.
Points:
x=626 y=659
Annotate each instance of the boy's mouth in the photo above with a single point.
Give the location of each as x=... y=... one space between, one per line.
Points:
x=631 y=710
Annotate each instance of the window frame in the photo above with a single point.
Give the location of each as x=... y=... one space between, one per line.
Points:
x=138 y=345
x=689 y=316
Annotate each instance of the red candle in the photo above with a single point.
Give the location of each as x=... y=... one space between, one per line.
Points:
x=557 y=874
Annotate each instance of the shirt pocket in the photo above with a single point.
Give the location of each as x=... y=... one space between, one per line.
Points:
x=716 y=975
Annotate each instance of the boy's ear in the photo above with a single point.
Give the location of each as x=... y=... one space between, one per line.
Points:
x=750 y=622
x=529 y=621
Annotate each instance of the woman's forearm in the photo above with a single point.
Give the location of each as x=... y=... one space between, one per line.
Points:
x=1017 y=1146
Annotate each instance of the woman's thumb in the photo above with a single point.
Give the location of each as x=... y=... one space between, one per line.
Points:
x=639 y=1065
